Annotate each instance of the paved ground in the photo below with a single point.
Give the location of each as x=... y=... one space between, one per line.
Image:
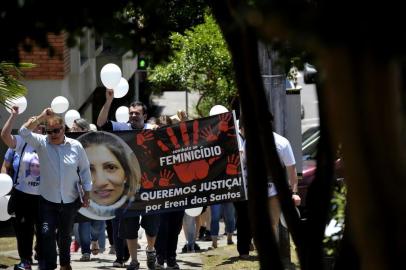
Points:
x=188 y=261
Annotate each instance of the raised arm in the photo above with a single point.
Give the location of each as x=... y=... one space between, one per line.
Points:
x=6 y=135
x=34 y=121
x=26 y=129
x=104 y=112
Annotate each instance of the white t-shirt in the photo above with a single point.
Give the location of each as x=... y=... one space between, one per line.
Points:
x=241 y=146
x=28 y=175
x=285 y=155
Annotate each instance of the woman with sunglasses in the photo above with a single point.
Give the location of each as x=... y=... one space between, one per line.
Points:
x=63 y=165
x=26 y=191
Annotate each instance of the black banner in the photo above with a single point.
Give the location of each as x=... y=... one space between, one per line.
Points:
x=186 y=165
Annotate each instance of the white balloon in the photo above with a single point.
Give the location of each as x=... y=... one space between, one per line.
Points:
x=3 y=208
x=121 y=89
x=93 y=127
x=71 y=116
x=21 y=102
x=122 y=114
x=217 y=109
x=60 y=104
x=194 y=212
x=6 y=183
x=110 y=75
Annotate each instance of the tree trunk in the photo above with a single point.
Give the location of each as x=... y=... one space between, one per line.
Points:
x=364 y=109
x=262 y=157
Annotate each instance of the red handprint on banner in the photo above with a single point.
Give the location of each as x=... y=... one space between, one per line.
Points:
x=166 y=176
x=208 y=134
x=223 y=124
x=146 y=183
x=232 y=164
x=144 y=136
x=223 y=127
x=193 y=170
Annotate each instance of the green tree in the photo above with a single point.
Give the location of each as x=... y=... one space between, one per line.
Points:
x=128 y=24
x=10 y=85
x=201 y=62
x=131 y=24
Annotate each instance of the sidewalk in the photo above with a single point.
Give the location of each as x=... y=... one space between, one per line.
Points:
x=190 y=261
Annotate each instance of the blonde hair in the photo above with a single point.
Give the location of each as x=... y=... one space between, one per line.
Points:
x=55 y=119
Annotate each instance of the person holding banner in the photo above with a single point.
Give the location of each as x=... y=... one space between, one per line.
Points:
x=129 y=225
x=243 y=224
x=63 y=164
x=169 y=227
x=116 y=178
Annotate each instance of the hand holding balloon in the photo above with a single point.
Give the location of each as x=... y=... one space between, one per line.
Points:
x=46 y=113
x=20 y=102
x=109 y=94
x=14 y=110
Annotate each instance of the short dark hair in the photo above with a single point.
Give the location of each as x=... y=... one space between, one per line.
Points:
x=139 y=104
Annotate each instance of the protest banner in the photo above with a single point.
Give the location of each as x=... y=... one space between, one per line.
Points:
x=185 y=165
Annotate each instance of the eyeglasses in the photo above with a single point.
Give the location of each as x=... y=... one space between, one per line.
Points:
x=54 y=130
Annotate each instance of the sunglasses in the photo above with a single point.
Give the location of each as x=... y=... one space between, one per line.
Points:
x=54 y=130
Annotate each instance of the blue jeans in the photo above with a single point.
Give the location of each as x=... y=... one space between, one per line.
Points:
x=189 y=224
x=55 y=217
x=227 y=209
x=91 y=231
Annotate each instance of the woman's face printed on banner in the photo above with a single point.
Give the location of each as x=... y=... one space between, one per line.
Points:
x=107 y=175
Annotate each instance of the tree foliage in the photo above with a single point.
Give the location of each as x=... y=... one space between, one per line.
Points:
x=201 y=62
x=140 y=25
x=10 y=85
x=137 y=25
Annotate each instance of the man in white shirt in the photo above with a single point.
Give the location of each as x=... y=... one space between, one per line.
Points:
x=63 y=165
x=288 y=160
